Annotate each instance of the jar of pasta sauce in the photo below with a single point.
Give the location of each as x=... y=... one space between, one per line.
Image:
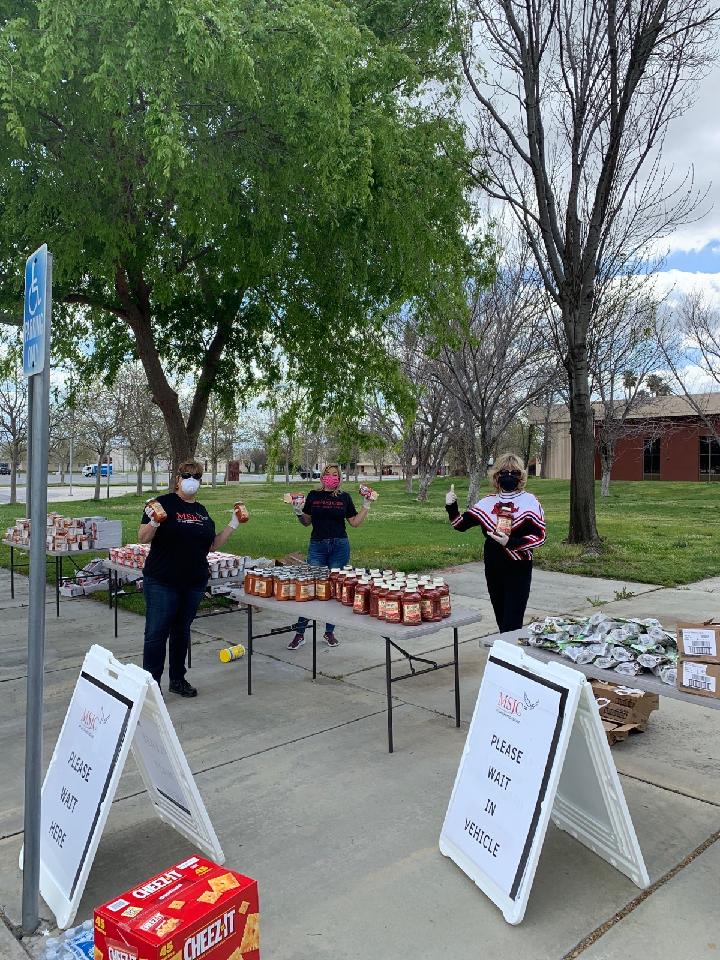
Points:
x=410 y=609
x=348 y=589
x=323 y=590
x=444 y=591
x=361 y=599
x=392 y=604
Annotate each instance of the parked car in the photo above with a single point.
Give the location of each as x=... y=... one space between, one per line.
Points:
x=5 y=469
x=310 y=474
x=90 y=470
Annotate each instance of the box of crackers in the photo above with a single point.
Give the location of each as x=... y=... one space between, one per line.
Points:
x=194 y=910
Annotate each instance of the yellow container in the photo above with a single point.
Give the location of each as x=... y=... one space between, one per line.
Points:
x=228 y=654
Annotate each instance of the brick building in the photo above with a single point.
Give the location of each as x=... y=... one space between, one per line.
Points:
x=665 y=440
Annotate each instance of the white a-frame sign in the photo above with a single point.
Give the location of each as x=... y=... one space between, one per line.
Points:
x=115 y=706
x=536 y=748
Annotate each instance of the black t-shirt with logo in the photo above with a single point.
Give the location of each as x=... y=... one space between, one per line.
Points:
x=328 y=512
x=179 y=549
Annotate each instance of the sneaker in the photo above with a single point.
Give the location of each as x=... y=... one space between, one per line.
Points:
x=183 y=689
x=297 y=641
x=331 y=640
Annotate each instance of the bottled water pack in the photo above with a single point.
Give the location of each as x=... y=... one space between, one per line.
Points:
x=74 y=944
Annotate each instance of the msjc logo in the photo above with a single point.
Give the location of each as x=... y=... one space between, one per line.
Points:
x=513 y=706
x=510 y=705
x=90 y=721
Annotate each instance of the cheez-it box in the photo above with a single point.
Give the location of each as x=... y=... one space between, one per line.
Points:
x=193 y=911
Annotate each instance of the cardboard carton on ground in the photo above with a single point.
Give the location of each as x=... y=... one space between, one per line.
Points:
x=624 y=706
x=617 y=732
x=699 y=641
x=192 y=911
x=696 y=676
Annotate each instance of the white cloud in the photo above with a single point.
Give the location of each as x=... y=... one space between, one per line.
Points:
x=674 y=283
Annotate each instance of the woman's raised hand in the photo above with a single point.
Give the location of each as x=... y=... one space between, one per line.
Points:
x=450 y=496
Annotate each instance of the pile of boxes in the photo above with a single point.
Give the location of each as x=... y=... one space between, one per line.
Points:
x=132 y=556
x=623 y=710
x=69 y=533
x=698 y=666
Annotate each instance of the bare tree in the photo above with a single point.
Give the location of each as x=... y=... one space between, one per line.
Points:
x=13 y=411
x=218 y=435
x=140 y=422
x=688 y=334
x=98 y=423
x=574 y=100
x=497 y=362
x=623 y=358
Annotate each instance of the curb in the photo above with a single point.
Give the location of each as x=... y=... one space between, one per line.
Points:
x=10 y=948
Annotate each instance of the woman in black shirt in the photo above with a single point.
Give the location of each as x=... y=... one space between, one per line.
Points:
x=326 y=510
x=175 y=575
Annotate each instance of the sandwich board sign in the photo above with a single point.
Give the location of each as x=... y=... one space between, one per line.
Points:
x=536 y=749
x=115 y=707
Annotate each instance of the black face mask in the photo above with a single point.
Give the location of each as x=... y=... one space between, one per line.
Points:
x=507 y=482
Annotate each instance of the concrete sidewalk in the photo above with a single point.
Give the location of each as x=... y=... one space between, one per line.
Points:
x=342 y=836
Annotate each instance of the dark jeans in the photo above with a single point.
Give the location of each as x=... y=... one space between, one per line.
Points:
x=334 y=552
x=169 y=613
x=509 y=588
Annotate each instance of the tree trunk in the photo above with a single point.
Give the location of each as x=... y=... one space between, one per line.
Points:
x=528 y=448
x=153 y=473
x=287 y=471
x=583 y=527
x=425 y=478
x=140 y=469
x=606 y=471
x=13 y=477
x=98 y=477
x=213 y=466
x=545 y=449
x=476 y=470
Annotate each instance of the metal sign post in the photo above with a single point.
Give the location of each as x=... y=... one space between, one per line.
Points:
x=36 y=366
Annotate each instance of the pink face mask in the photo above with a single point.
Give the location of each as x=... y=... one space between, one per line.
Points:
x=330 y=481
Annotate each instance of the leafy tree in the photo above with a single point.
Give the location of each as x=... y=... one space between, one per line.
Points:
x=224 y=184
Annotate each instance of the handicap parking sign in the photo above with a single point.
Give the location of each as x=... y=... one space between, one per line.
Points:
x=37 y=311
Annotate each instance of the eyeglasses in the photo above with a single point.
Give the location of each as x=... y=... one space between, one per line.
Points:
x=510 y=473
x=193 y=476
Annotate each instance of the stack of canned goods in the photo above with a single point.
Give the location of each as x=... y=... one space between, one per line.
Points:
x=387 y=595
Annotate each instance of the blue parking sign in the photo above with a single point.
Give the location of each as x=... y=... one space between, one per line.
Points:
x=37 y=311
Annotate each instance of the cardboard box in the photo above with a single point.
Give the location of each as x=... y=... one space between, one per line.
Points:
x=624 y=706
x=695 y=676
x=617 y=732
x=699 y=641
x=192 y=911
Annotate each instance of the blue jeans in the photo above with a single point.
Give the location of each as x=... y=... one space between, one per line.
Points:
x=334 y=552
x=169 y=613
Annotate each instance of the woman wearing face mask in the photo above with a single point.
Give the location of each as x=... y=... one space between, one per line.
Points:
x=326 y=510
x=176 y=572
x=508 y=555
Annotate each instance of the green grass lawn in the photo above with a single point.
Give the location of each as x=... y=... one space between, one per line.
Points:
x=666 y=533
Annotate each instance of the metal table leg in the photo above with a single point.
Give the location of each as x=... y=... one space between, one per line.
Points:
x=115 y=588
x=12 y=573
x=314 y=649
x=457 y=676
x=249 y=649
x=388 y=684
x=58 y=578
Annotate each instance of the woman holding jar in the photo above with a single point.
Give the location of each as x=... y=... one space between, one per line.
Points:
x=326 y=510
x=181 y=533
x=513 y=523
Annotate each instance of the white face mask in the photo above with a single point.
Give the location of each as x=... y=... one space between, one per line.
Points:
x=190 y=486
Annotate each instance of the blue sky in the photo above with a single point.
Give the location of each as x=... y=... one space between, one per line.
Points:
x=704 y=260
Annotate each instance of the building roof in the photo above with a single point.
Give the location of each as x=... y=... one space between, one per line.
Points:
x=675 y=405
